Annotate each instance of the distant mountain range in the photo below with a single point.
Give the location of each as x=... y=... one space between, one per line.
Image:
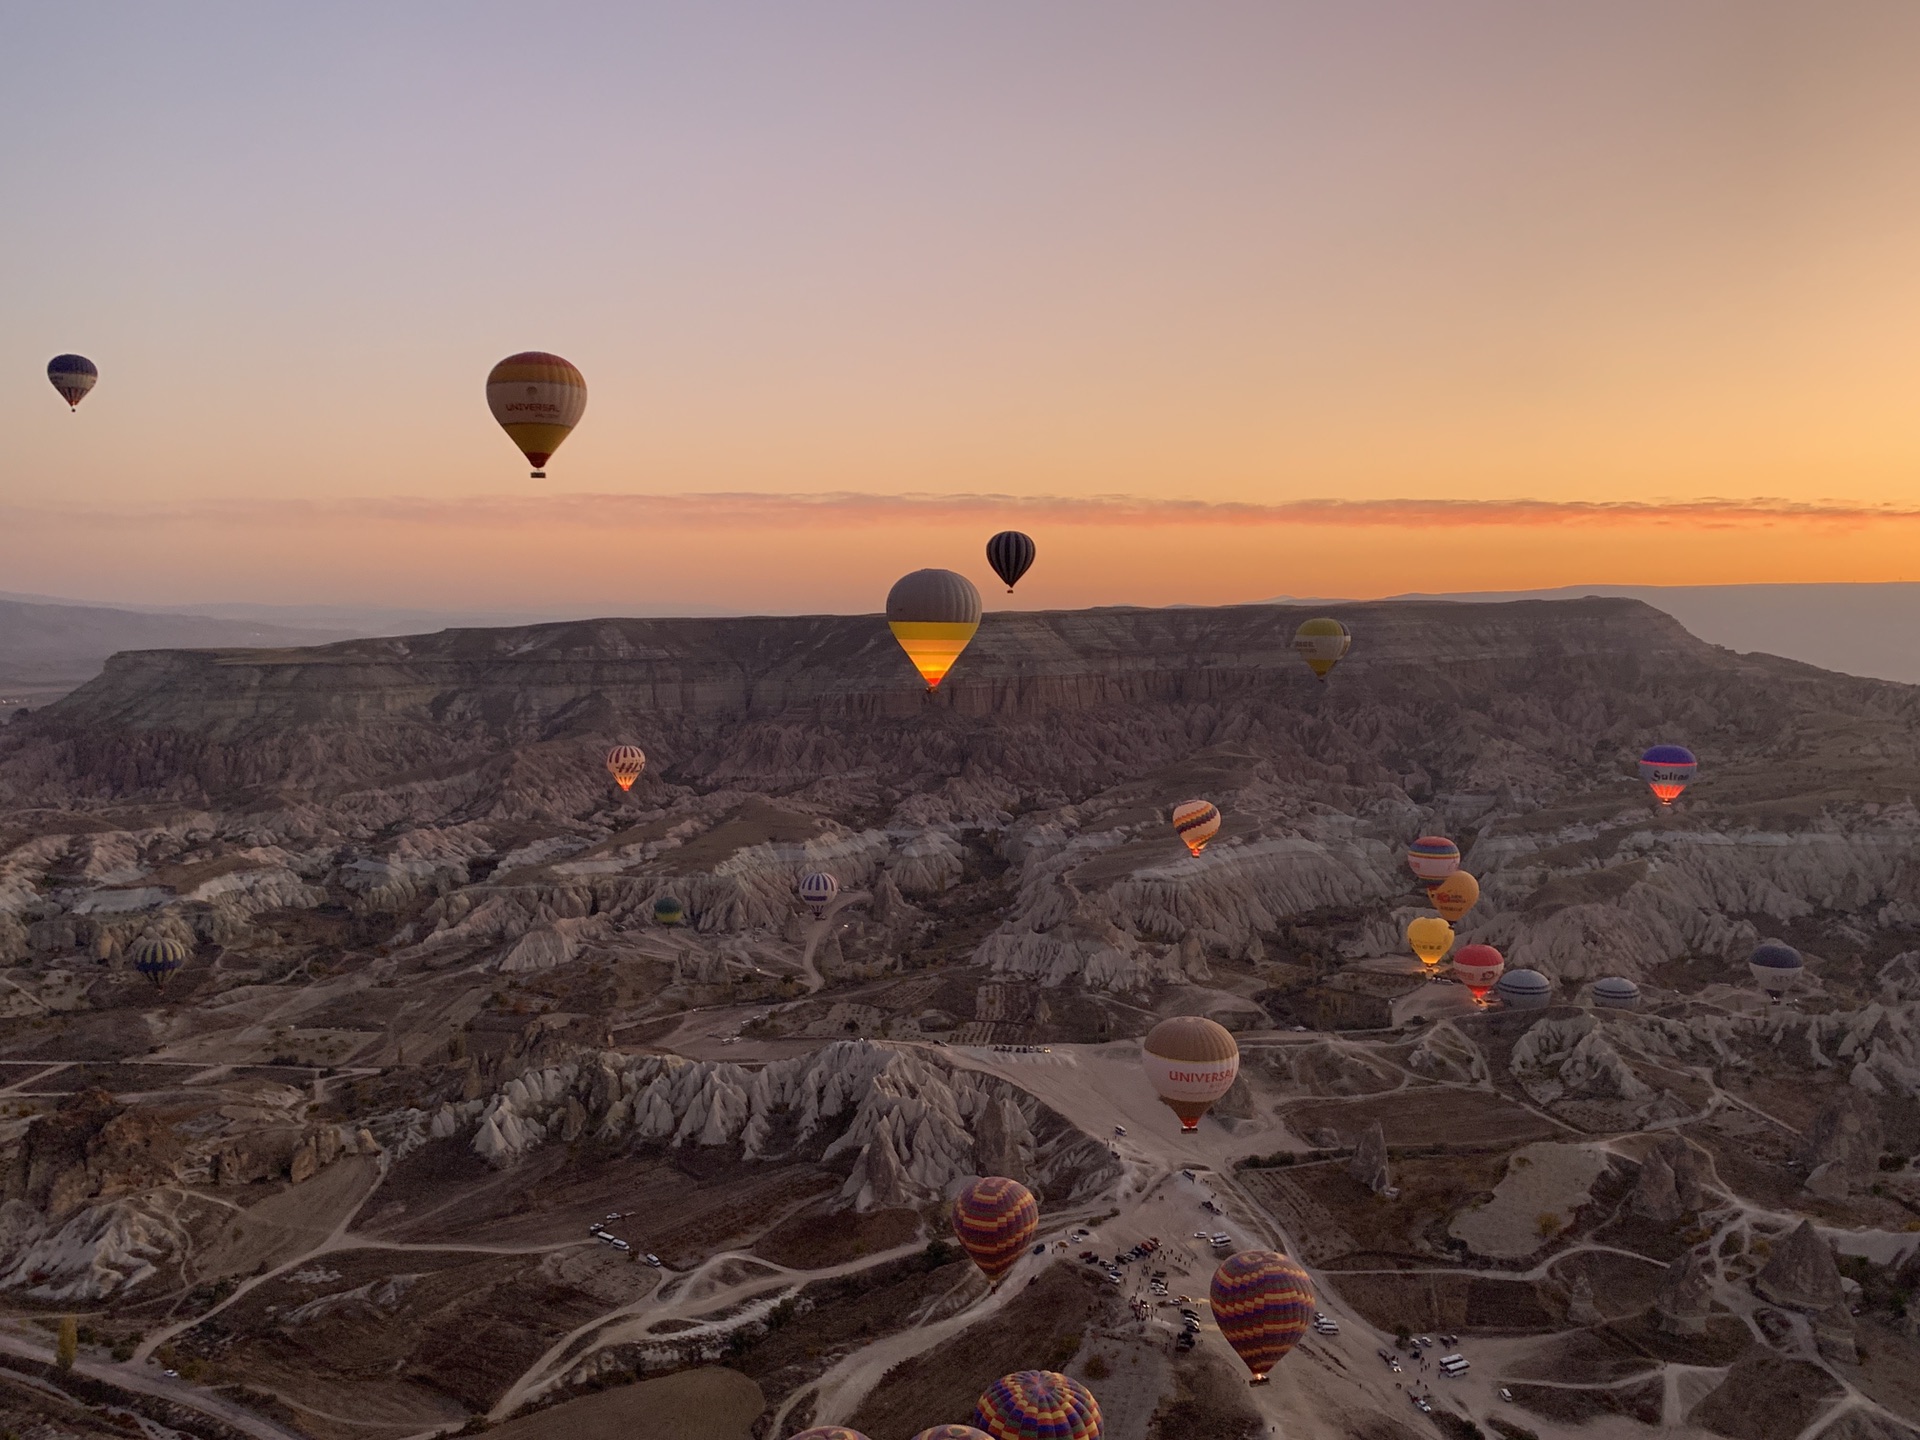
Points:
x=49 y=646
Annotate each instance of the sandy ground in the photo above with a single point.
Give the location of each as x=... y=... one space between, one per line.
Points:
x=1542 y=1179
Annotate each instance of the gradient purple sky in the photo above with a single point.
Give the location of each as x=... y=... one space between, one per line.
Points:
x=1237 y=254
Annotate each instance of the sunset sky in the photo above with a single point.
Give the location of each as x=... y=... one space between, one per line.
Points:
x=1218 y=301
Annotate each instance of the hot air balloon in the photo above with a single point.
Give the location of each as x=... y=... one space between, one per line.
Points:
x=73 y=376
x=1524 y=990
x=1431 y=938
x=933 y=614
x=624 y=763
x=1263 y=1303
x=1616 y=993
x=829 y=1432
x=1190 y=1061
x=953 y=1432
x=1775 y=968
x=1011 y=555
x=1478 y=967
x=1196 y=822
x=1321 y=643
x=1432 y=858
x=818 y=890
x=537 y=398
x=157 y=958
x=669 y=911
x=1454 y=896
x=1668 y=770
x=1038 y=1405
x=994 y=1219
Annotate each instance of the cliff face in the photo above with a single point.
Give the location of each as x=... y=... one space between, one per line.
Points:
x=1433 y=697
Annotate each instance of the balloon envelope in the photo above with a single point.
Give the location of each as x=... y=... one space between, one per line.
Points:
x=994 y=1219
x=1454 y=896
x=537 y=398
x=73 y=376
x=953 y=1432
x=158 y=959
x=1668 y=770
x=1196 y=822
x=624 y=763
x=1321 y=643
x=1616 y=993
x=933 y=614
x=669 y=911
x=817 y=891
x=1478 y=967
x=1775 y=967
x=1038 y=1405
x=829 y=1432
x=1191 y=1062
x=1432 y=858
x=1524 y=990
x=1430 y=938
x=1263 y=1303
x=1011 y=555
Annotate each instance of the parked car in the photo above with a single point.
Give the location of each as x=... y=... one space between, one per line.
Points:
x=653 y=1260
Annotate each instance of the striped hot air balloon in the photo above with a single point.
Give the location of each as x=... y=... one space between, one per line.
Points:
x=1322 y=644
x=624 y=763
x=994 y=1219
x=1430 y=938
x=537 y=398
x=1524 y=990
x=829 y=1432
x=669 y=911
x=933 y=614
x=1011 y=555
x=158 y=958
x=1038 y=1405
x=953 y=1432
x=1454 y=896
x=817 y=891
x=1263 y=1304
x=1668 y=770
x=1616 y=992
x=1191 y=1062
x=1432 y=858
x=73 y=376
x=1196 y=822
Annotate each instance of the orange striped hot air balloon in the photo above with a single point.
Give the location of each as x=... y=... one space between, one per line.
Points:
x=1263 y=1303
x=994 y=1219
x=933 y=614
x=1196 y=822
x=537 y=398
x=624 y=763
x=1038 y=1405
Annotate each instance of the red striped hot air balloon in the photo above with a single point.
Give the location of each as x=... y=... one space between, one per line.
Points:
x=1038 y=1405
x=624 y=763
x=1196 y=822
x=994 y=1220
x=1263 y=1303
x=537 y=398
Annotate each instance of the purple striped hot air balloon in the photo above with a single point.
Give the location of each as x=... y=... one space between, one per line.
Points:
x=1263 y=1303
x=1432 y=858
x=1038 y=1405
x=818 y=890
x=994 y=1219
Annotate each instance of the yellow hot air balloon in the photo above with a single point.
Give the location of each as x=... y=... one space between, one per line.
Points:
x=933 y=614
x=537 y=398
x=1321 y=643
x=1196 y=822
x=1431 y=938
x=1455 y=895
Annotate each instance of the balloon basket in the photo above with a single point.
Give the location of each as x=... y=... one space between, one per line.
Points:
x=1259 y=1380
